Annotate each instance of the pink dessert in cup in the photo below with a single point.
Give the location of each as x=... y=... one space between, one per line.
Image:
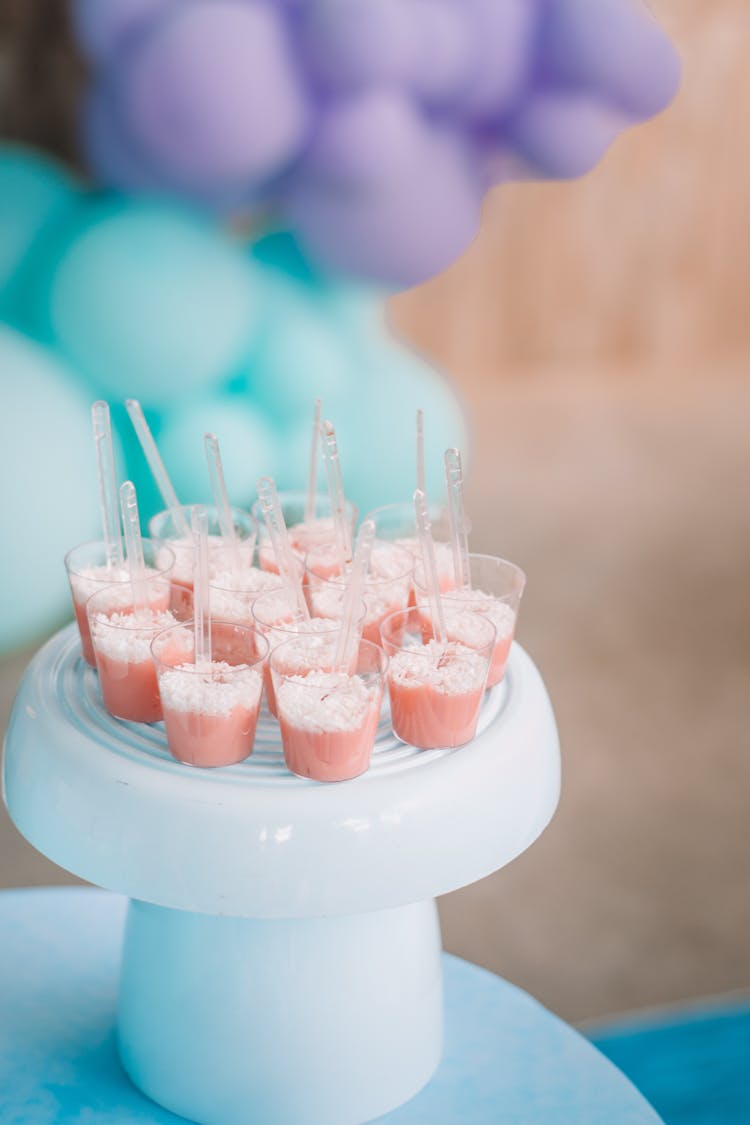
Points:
x=210 y=708
x=329 y=718
x=122 y=637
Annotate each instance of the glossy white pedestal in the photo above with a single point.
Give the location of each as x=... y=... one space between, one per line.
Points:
x=281 y=960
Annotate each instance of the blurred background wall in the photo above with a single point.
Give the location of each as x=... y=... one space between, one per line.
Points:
x=599 y=333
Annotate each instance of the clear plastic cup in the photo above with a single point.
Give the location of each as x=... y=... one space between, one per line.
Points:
x=163 y=531
x=121 y=638
x=396 y=523
x=435 y=688
x=211 y=710
x=328 y=719
x=233 y=596
x=303 y=535
x=88 y=572
x=387 y=587
x=497 y=587
x=274 y=614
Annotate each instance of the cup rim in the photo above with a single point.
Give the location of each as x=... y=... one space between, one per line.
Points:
x=290 y=494
x=381 y=673
x=514 y=567
x=211 y=509
x=96 y=542
x=369 y=582
x=189 y=626
x=485 y=649
x=118 y=586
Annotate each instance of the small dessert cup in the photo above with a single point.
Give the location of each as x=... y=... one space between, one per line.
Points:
x=274 y=613
x=121 y=636
x=396 y=523
x=303 y=534
x=387 y=586
x=164 y=533
x=210 y=709
x=88 y=572
x=436 y=688
x=496 y=590
x=233 y=595
x=328 y=718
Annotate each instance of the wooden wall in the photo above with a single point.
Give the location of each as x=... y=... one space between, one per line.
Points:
x=646 y=261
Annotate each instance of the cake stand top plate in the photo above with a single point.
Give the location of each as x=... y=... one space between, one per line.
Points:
x=104 y=799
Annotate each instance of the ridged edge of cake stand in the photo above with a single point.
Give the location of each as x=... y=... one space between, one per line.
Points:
x=105 y=800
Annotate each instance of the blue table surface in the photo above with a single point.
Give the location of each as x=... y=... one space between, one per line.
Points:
x=507 y=1060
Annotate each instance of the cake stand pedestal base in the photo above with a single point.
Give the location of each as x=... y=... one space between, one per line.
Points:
x=230 y=1020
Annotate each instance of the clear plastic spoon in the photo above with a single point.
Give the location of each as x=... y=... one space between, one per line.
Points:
x=432 y=582
x=157 y=467
x=420 y=452
x=454 y=479
x=105 y=464
x=336 y=495
x=133 y=544
x=348 y=638
x=201 y=605
x=312 y=476
x=221 y=500
x=287 y=564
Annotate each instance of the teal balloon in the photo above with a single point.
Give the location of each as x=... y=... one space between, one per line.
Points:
x=249 y=447
x=48 y=502
x=151 y=301
x=34 y=190
x=305 y=352
x=376 y=427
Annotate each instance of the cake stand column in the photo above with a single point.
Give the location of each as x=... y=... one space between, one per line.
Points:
x=281 y=963
x=320 y=1020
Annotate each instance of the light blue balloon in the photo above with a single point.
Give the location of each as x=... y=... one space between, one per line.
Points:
x=33 y=190
x=249 y=447
x=305 y=352
x=151 y=301
x=375 y=425
x=48 y=502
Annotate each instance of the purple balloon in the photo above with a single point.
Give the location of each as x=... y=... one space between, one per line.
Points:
x=110 y=156
x=102 y=27
x=365 y=139
x=611 y=47
x=504 y=36
x=352 y=44
x=407 y=227
x=212 y=96
x=563 y=136
x=441 y=69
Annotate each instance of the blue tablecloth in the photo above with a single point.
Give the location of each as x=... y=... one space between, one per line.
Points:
x=507 y=1060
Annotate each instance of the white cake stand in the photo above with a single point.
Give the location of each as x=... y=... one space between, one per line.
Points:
x=281 y=962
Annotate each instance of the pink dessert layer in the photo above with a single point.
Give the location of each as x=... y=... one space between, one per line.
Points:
x=211 y=740
x=307 y=655
x=427 y=718
x=436 y=694
x=127 y=673
x=211 y=716
x=129 y=690
x=328 y=731
x=85 y=633
x=90 y=581
x=459 y=609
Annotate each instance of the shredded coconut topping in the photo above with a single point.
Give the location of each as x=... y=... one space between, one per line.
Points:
x=217 y=555
x=451 y=668
x=127 y=636
x=502 y=616
x=90 y=579
x=326 y=701
x=215 y=690
x=232 y=594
